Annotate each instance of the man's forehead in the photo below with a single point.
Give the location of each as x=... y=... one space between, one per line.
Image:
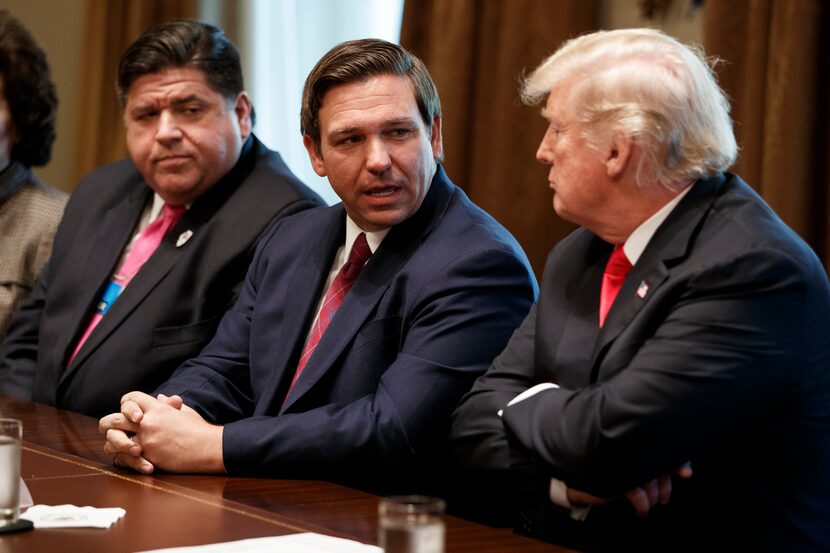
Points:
x=180 y=81
x=381 y=99
x=558 y=100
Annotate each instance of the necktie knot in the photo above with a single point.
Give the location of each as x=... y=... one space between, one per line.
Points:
x=174 y=212
x=358 y=256
x=618 y=264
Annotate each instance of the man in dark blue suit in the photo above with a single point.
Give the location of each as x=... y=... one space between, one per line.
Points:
x=711 y=349
x=295 y=385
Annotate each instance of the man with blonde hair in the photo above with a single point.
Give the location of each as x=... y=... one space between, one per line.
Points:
x=684 y=322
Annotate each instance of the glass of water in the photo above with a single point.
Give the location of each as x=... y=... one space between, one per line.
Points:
x=411 y=524
x=11 y=433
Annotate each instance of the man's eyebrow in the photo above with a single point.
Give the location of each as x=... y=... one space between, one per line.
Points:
x=155 y=104
x=408 y=121
x=343 y=131
x=550 y=117
x=141 y=108
x=400 y=121
x=186 y=100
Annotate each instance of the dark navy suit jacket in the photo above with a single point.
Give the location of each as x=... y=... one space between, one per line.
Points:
x=431 y=308
x=715 y=351
x=171 y=308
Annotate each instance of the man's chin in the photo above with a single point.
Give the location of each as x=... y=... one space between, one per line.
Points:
x=177 y=191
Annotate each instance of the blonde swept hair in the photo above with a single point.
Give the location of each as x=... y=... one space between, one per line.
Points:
x=644 y=83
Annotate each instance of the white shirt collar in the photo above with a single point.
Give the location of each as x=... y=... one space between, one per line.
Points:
x=373 y=238
x=639 y=239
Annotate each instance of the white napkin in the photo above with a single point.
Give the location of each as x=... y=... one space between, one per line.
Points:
x=70 y=516
x=25 y=496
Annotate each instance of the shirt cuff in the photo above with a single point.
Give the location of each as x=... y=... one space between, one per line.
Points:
x=528 y=393
x=559 y=495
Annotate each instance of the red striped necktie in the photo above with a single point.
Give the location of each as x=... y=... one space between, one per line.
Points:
x=334 y=297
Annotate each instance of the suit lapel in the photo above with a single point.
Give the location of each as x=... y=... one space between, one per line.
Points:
x=564 y=349
x=171 y=249
x=369 y=288
x=303 y=292
x=103 y=250
x=669 y=245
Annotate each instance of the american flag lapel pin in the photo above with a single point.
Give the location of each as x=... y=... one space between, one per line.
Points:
x=642 y=290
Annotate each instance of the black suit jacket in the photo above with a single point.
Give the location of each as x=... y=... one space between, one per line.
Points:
x=715 y=352
x=170 y=309
x=431 y=308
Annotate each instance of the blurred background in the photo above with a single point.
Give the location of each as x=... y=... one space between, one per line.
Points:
x=775 y=70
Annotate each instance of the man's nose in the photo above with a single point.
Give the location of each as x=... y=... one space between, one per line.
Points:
x=168 y=128
x=378 y=159
x=544 y=153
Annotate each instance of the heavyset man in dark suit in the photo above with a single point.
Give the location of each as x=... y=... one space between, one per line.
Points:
x=437 y=299
x=715 y=350
x=188 y=122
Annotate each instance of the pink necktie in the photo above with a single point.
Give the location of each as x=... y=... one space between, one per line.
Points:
x=334 y=297
x=140 y=252
x=612 y=280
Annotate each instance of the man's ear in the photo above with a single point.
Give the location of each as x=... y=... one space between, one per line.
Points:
x=314 y=155
x=436 y=140
x=620 y=153
x=242 y=108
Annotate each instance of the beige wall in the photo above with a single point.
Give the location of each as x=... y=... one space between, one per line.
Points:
x=58 y=28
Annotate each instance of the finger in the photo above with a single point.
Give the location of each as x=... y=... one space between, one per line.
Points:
x=135 y=404
x=139 y=464
x=117 y=421
x=174 y=401
x=665 y=489
x=582 y=499
x=685 y=470
x=652 y=490
x=132 y=411
x=119 y=442
x=639 y=500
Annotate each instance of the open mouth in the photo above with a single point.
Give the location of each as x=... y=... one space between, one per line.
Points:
x=382 y=192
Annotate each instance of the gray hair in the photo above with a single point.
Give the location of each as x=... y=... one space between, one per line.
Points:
x=645 y=84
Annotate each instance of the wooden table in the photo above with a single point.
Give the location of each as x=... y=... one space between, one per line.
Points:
x=63 y=462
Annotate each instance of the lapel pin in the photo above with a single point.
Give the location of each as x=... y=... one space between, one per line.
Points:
x=642 y=290
x=183 y=238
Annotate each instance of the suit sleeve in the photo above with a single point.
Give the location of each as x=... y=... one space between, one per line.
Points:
x=732 y=351
x=478 y=437
x=458 y=322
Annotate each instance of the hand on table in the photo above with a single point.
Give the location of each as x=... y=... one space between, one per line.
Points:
x=162 y=432
x=642 y=498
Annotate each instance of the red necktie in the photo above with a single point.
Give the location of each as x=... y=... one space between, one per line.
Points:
x=612 y=280
x=140 y=252
x=334 y=297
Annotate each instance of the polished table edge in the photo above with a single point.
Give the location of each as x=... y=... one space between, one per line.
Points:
x=74 y=438
x=158 y=483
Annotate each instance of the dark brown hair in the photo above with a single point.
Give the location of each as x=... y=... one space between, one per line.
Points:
x=183 y=43
x=357 y=60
